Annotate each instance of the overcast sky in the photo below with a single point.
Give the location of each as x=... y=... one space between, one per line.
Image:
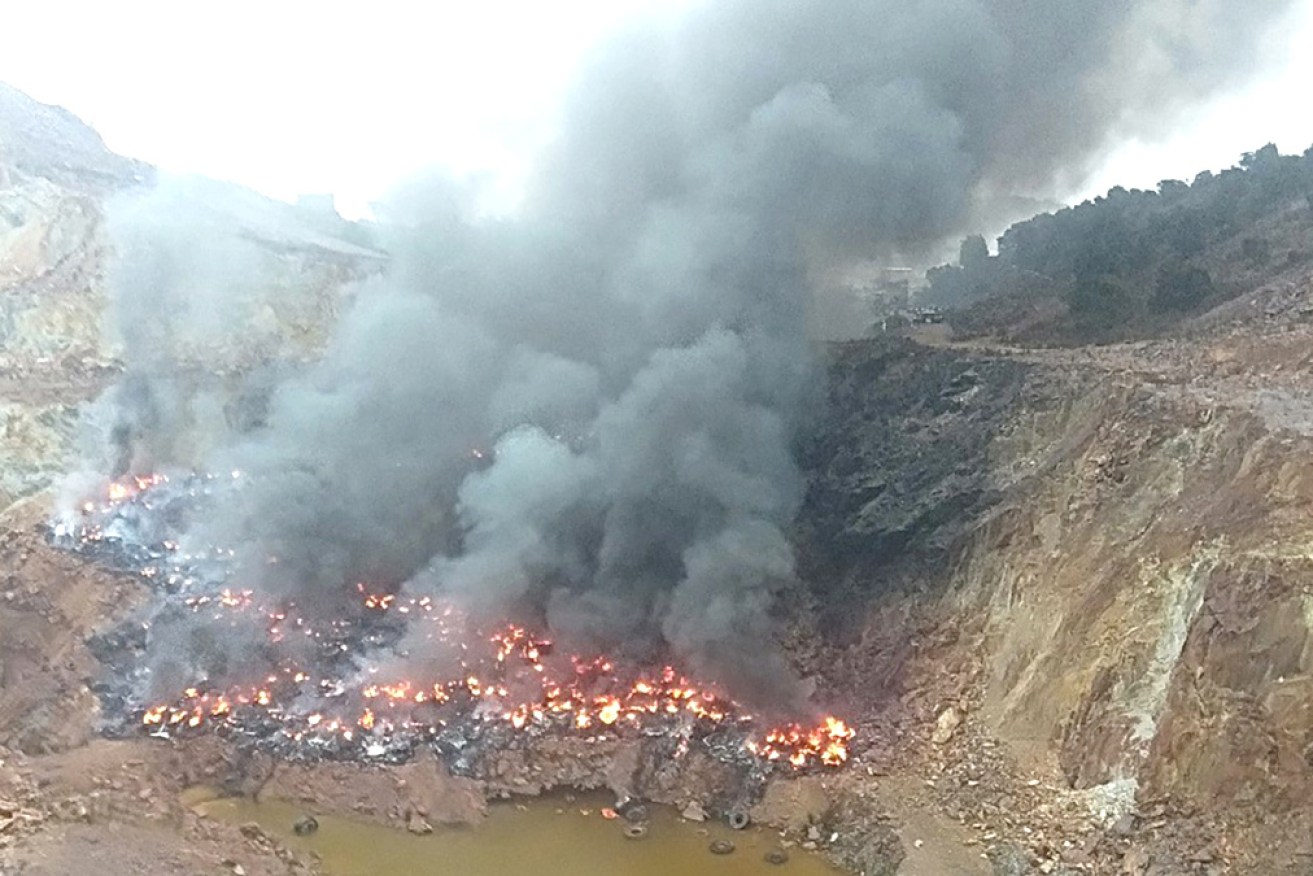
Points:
x=290 y=96
x=1271 y=109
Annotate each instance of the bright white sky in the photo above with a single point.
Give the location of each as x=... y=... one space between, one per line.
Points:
x=293 y=96
x=1273 y=108
x=296 y=96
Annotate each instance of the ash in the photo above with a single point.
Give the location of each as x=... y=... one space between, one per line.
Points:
x=320 y=697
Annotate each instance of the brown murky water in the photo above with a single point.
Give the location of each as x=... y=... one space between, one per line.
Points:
x=547 y=837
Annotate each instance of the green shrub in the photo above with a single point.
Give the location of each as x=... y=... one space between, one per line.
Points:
x=1181 y=287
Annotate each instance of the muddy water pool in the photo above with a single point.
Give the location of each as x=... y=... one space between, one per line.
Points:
x=545 y=836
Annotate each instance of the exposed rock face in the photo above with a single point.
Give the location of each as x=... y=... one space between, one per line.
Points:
x=416 y=796
x=48 y=607
x=59 y=347
x=794 y=805
x=55 y=174
x=1107 y=550
x=901 y=463
x=49 y=142
x=1097 y=562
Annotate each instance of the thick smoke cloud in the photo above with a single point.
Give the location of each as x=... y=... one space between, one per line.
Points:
x=177 y=282
x=587 y=412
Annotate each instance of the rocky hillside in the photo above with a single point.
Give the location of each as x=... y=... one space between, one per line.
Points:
x=1065 y=592
x=1136 y=264
x=1089 y=571
x=59 y=346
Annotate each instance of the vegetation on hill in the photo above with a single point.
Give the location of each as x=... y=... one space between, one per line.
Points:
x=1135 y=262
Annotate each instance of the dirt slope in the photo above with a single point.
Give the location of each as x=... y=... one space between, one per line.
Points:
x=1099 y=560
x=1065 y=593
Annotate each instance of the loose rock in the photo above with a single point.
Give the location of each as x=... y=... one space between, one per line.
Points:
x=949 y=720
x=416 y=824
x=1124 y=826
x=1135 y=862
x=1009 y=859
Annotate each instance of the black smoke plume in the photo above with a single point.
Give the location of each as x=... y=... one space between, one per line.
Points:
x=587 y=411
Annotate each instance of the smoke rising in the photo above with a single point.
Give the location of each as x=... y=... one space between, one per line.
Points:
x=177 y=279
x=587 y=411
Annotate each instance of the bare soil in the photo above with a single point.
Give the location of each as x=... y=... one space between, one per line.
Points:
x=993 y=666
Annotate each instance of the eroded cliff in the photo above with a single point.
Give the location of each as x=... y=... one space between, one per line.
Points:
x=1099 y=561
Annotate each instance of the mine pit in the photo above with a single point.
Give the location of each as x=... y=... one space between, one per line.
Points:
x=667 y=485
x=324 y=698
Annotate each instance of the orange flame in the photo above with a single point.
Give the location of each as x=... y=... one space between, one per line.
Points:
x=592 y=697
